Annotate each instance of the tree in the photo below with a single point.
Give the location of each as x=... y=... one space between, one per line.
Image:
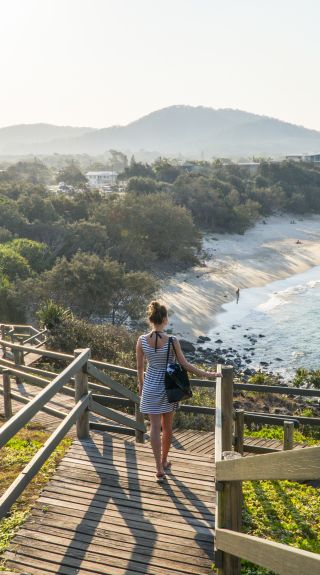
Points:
x=139 y=185
x=35 y=172
x=5 y=235
x=166 y=171
x=129 y=300
x=118 y=161
x=11 y=310
x=12 y=264
x=10 y=216
x=91 y=287
x=36 y=254
x=72 y=176
x=137 y=169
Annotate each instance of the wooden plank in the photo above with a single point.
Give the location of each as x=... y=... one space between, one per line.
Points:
x=106 y=380
x=45 y=409
x=38 y=351
x=278 y=389
x=38 y=381
x=282 y=559
x=115 y=416
x=129 y=522
x=98 y=426
x=127 y=497
x=182 y=500
x=128 y=509
x=110 y=400
x=31 y=469
x=101 y=551
x=82 y=390
x=296 y=465
x=99 y=544
x=205 y=460
x=224 y=405
x=134 y=473
x=26 y=413
x=130 y=458
x=81 y=560
x=128 y=461
x=117 y=533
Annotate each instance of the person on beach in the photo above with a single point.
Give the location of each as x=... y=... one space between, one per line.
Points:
x=153 y=346
x=237 y=294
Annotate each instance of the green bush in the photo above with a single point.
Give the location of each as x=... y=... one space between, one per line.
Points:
x=310 y=377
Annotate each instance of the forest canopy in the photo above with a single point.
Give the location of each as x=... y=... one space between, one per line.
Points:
x=102 y=254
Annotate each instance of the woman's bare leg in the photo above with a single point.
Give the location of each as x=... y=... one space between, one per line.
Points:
x=155 y=432
x=167 y=420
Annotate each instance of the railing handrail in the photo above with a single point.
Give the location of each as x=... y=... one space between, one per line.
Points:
x=11 y=427
x=297 y=465
x=231 y=470
x=277 y=389
x=30 y=470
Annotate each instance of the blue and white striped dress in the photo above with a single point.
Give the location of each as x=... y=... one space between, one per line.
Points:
x=154 y=398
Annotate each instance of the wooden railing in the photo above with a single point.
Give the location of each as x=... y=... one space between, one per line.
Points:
x=72 y=381
x=19 y=350
x=231 y=470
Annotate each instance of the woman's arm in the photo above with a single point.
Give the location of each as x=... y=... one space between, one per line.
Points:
x=189 y=366
x=140 y=364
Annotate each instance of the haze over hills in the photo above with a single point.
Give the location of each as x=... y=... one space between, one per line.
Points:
x=190 y=131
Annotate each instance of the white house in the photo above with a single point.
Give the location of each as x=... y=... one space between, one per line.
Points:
x=100 y=179
x=311 y=158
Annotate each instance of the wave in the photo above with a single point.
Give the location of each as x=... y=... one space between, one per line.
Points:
x=286 y=296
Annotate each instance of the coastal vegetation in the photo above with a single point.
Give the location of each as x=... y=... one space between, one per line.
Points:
x=102 y=254
x=14 y=456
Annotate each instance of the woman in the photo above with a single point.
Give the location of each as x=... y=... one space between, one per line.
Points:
x=153 y=346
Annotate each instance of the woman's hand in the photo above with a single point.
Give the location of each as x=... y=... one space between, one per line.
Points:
x=140 y=389
x=212 y=374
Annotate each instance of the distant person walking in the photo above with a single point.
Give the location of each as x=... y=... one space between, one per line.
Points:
x=237 y=294
x=153 y=347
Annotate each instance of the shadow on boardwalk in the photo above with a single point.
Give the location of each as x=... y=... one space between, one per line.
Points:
x=104 y=513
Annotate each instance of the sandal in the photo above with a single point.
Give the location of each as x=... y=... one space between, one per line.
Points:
x=168 y=465
x=160 y=477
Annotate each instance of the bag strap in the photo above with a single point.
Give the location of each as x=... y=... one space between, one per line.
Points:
x=171 y=342
x=168 y=352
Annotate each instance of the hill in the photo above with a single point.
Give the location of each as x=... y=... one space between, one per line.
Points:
x=25 y=138
x=190 y=131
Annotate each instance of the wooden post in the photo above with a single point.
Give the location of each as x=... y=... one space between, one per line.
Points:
x=228 y=494
x=81 y=389
x=7 y=394
x=224 y=409
x=3 y=336
x=17 y=361
x=239 y=431
x=139 y=419
x=288 y=428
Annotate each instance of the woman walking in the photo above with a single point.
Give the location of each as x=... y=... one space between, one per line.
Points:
x=153 y=346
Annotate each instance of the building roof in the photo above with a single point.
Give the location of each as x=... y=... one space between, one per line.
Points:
x=103 y=173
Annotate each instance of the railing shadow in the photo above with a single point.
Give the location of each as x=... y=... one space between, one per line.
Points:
x=138 y=525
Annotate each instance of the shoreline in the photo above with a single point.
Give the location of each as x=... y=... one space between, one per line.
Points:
x=265 y=253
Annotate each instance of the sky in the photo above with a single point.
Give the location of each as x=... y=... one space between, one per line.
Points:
x=106 y=62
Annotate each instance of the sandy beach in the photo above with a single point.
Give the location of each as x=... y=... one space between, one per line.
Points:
x=265 y=253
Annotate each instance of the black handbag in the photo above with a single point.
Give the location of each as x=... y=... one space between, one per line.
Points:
x=176 y=380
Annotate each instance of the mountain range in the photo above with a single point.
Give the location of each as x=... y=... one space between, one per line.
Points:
x=195 y=132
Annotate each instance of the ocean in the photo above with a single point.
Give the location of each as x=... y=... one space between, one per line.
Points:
x=283 y=318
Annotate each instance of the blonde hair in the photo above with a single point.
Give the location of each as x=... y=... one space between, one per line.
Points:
x=157 y=312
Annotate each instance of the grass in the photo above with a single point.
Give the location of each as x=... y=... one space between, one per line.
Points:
x=283 y=511
x=14 y=456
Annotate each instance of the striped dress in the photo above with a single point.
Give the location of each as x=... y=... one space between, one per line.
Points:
x=154 y=398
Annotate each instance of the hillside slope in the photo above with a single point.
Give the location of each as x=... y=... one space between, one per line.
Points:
x=191 y=131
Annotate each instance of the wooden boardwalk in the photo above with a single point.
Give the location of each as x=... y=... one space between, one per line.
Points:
x=104 y=513
x=200 y=442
